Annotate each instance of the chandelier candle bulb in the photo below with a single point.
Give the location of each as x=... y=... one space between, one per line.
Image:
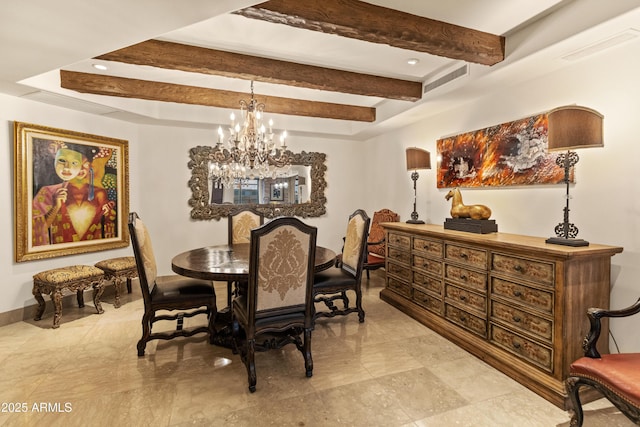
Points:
x=249 y=151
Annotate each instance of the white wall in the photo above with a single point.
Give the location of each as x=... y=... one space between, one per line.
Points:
x=604 y=202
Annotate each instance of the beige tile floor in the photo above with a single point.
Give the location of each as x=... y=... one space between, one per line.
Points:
x=388 y=371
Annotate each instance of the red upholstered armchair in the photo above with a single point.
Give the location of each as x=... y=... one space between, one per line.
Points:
x=616 y=376
x=376 y=241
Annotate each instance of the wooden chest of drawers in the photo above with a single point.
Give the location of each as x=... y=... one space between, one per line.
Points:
x=514 y=301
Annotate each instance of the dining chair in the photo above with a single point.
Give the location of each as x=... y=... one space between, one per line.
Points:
x=241 y=221
x=334 y=283
x=616 y=376
x=168 y=293
x=278 y=307
x=376 y=245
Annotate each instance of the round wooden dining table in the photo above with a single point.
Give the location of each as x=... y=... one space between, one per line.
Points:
x=230 y=263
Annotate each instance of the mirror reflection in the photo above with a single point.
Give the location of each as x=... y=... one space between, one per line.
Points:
x=288 y=185
x=294 y=190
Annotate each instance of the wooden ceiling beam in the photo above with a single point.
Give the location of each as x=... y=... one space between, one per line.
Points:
x=168 y=92
x=376 y=24
x=176 y=56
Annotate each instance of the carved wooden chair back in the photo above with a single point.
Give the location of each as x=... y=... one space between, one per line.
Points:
x=279 y=299
x=376 y=244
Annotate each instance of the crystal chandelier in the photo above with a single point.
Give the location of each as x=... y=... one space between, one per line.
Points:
x=249 y=150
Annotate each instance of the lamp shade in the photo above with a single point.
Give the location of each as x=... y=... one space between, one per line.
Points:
x=417 y=158
x=572 y=127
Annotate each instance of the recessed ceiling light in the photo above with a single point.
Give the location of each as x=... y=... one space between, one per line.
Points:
x=412 y=61
x=100 y=67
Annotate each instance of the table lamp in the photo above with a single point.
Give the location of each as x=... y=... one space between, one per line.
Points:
x=417 y=158
x=571 y=127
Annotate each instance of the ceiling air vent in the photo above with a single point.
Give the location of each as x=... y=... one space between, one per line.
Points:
x=455 y=74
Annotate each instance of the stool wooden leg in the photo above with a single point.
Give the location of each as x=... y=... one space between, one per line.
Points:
x=80 y=297
x=98 y=289
x=117 y=284
x=56 y=297
x=41 y=304
x=128 y=285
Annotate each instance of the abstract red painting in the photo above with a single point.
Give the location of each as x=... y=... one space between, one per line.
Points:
x=513 y=153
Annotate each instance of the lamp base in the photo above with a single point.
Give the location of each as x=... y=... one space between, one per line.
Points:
x=415 y=221
x=567 y=241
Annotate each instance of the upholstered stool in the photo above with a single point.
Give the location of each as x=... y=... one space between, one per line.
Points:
x=72 y=278
x=117 y=269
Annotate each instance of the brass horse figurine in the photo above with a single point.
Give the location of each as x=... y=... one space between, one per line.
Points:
x=460 y=210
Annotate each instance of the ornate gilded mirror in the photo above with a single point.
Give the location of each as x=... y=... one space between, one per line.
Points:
x=297 y=192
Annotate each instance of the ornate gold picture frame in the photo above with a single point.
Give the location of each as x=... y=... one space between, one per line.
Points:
x=71 y=192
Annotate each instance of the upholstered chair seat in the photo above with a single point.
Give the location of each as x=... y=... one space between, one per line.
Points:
x=332 y=279
x=170 y=289
x=616 y=376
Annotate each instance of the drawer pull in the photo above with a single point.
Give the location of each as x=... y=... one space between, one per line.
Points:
x=517 y=345
x=426 y=247
x=518 y=268
x=425 y=265
x=463 y=277
x=463 y=298
x=516 y=319
x=517 y=293
x=464 y=256
x=463 y=318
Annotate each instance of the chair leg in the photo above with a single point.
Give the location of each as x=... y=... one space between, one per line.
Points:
x=146 y=332
x=251 y=365
x=345 y=299
x=572 y=385
x=359 y=304
x=368 y=274
x=308 y=361
x=212 y=320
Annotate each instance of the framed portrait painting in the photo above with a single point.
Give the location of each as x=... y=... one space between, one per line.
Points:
x=71 y=192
